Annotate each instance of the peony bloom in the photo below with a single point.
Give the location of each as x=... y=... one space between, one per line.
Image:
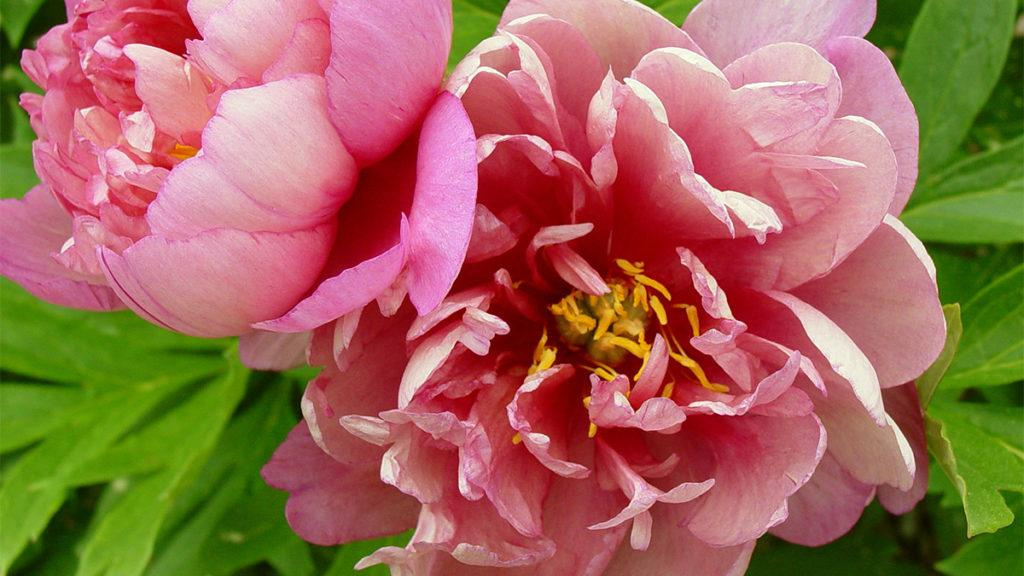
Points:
x=688 y=316
x=217 y=165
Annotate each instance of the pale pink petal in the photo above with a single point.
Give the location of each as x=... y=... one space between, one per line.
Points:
x=903 y=405
x=387 y=61
x=728 y=29
x=826 y=507
x=619 y=32
x=307 y=52
x=242 y=38
x=332 y=503
x=174 y=92
x=441 y=217
x=892 y=277
x=872 y=89
x=34 y=229
x=220 y=282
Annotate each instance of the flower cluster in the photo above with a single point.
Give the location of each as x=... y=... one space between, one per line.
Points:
x=223 y=166
x=660 y=303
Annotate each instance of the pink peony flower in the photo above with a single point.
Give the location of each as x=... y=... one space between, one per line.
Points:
x=218 y=165
x=688 y=316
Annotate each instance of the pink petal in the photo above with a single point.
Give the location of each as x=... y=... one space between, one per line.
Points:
x=387 y=61
x=675 y=551
x=174 y=92
x=242 y=38
x=826 y=507
x=728 y=29
x=872 y=89
x=903 y=405
x=331 y=503
x=537 y=413
x=302 y=179
x=441 y=217
x=760 y=462
x=34 y=229
x=220 y=282
x=261 y=350
x=307 y=52
x=620 y=32
x=891 y=276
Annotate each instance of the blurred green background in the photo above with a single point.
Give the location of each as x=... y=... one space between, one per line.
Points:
x=127 y=450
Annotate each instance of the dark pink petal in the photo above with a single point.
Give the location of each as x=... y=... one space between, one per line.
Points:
x=441 y=217
x=387 y=61
x=34 y=229
x=885 y=299
x=728 y=29
x=872 y=89
x=332 y=503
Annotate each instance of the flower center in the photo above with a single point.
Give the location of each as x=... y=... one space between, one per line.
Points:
x=611 y=330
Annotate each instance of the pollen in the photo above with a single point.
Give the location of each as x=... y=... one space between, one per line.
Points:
x=183 y=151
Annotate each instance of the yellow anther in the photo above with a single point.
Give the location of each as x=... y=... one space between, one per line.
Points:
x=669 y=389
x=183 y=151
x=643 y=365
x=540 y=345
x=586 y=401
x=640 y=297
x=583 y=323
x=547 y=360
x=651 y=282
x=606 y=321
x=573 y=307
x=628 y=345
x=659 y=310
x=692 y=316
x=604 y=372
x=516 y=438
x=592 y=431
x=630 y=268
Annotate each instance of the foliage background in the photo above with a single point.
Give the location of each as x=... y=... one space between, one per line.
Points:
x=127 y=450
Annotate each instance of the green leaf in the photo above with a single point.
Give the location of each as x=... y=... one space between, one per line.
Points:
x=113 y=349
x=220 y=537
x=674 y=10
x=999 y=553
x=992 y=345
x=122 y=539
x=979 y=449
x=475 y=20
x=928 y=381
x=31 y=411
x=965 y=270
x=15 y=16
x=979 y=200
x=18 y=173
x=34 y=487
x=953 y=59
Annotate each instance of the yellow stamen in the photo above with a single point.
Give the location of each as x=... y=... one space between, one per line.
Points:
x=669 y=389
x=627 y=345
x=651 y=282
x=543 y=356
x=659 y=310
x=643 y=365
x=183 y=151
x=630 y=268
x=586 y=401
x=692 y=317
x=606 y=321
x=516 y=439
x=592 y=431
